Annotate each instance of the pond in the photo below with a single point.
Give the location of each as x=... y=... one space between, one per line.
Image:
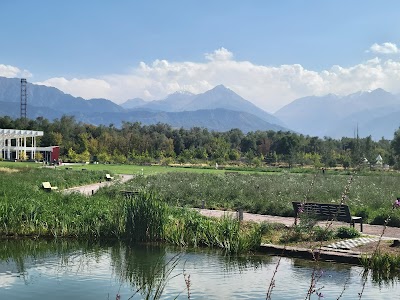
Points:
x=82 y=270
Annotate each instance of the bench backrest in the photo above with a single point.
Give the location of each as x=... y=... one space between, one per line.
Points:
x=46 y=185
x=326 y=211
x=108 y=176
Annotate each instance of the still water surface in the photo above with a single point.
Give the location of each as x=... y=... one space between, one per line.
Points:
x=80 y=270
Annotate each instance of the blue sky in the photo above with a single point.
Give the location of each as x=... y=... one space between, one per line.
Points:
x=270 y=52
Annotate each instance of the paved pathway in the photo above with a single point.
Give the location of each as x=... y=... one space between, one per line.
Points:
x=90 y=189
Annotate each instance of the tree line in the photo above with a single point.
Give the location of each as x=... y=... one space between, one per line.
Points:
x=137 y=143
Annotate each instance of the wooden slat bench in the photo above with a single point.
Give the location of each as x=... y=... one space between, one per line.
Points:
x=327 y=211
x=47 y=186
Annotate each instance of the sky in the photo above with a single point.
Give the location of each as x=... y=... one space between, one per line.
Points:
x=269 y=52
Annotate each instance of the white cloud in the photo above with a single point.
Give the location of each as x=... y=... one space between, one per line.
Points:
x=85 y=88
x=219 y=54
x=269 y=87
x=385 y=48
x=11 y=72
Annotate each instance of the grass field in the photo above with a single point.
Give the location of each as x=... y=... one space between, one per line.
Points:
x=156 y=169
x=368 y=196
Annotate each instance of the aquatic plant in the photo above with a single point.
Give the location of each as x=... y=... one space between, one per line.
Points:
x=384 y=267
x=189 y=228
x=145 y=217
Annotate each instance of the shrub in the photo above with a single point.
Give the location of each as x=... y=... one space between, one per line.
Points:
x=323 y=234
x=307 y=220
x=344 y=232
x=392 y=216
x=294 y=234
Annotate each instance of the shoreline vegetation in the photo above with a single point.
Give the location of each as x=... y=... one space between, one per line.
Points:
x=160 y=211
x=28 y=210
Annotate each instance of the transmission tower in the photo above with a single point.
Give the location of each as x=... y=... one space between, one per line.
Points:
x=23 y=98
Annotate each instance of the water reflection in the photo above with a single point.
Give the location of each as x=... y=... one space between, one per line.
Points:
x=87 y=270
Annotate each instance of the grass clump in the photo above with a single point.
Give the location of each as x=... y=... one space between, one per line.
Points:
x=344 y=232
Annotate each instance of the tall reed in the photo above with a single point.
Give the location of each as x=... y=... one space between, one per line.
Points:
x=188 y=228
x=384 y=267
x=145 y=217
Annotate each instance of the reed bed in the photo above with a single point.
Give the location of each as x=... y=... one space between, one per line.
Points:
x=384 y=267
x=148 y=218
x=189 y=228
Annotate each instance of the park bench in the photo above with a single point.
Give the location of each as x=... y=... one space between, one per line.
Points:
x=327 y=211
x=109 y=177
x=47 y=186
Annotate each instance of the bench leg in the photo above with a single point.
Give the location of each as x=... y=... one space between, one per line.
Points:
x=361 y=225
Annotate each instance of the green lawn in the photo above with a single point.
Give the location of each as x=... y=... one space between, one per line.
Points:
x=128 y=169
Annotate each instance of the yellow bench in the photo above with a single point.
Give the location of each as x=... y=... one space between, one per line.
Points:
x=109 y=177
x=47 y=186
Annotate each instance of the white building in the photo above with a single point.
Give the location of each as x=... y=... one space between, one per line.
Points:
x=15 y=142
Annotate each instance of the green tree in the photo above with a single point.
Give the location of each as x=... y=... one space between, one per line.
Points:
x=395 y=146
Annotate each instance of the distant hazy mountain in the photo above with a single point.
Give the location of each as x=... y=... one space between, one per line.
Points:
x=218 y=97
x=219 y=109
x=173 y=103
x=12 y=110
x=337 y=116
x=213 y=119
x=222 y=97
x=44 y=96
x=133 y=103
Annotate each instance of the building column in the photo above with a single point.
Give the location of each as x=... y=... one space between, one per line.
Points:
x=26 y=154
x=17 y=148
x=33 y=148
x=8 y=149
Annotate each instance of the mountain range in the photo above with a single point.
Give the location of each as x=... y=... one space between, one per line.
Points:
x=374 y=113
x=218 y=109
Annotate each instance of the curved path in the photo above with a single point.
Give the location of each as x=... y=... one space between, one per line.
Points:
x=90 y=189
